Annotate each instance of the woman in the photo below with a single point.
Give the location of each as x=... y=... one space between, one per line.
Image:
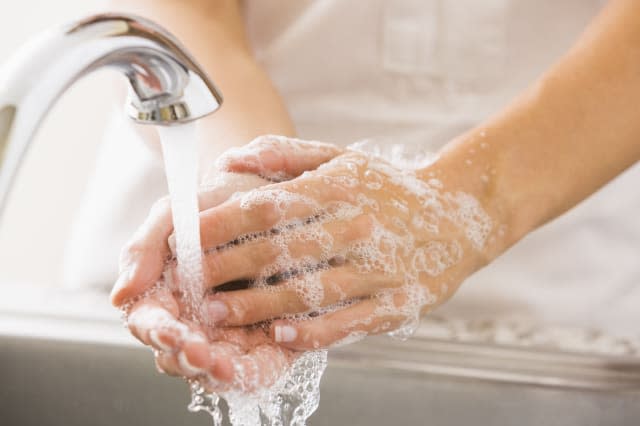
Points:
x=419 y=73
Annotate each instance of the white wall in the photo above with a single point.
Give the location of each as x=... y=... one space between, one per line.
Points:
x=37 y=221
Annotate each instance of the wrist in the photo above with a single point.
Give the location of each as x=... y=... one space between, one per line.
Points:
x=472 y=165
x=504 y=165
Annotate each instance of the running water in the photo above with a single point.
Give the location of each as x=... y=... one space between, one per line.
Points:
x=180 y=152
x=296 y=395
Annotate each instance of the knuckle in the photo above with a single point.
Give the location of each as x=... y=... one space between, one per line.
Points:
x=242 y=309
x=366 y=223
x=361 y=228
x=266 y=214
x=291 y=301
x=264 y=254
x=129 y=252
x=213 y=221
x=214 y=266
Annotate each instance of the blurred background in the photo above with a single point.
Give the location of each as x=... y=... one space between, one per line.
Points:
x=48 y=190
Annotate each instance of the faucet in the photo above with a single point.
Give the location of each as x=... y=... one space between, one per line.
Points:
x=166 y=86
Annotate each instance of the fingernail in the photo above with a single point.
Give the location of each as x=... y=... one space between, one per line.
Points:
x=285 y=333
x=217 y=310
x=155 y=339
x=187 y=366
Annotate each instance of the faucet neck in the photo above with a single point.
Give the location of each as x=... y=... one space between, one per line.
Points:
x=167 y=86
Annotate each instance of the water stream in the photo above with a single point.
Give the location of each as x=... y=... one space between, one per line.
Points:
x=180 y=152
x=295 y=396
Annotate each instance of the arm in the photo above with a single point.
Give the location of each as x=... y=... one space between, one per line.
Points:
x=573 y=131
x=214 y=33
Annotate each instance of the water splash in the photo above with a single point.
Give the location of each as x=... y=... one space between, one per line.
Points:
x=201 y=400
x=290 y=401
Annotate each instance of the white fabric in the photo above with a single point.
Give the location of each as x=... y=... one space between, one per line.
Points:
x=415 y=72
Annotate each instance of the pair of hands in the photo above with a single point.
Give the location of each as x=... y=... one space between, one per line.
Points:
x=335 y=244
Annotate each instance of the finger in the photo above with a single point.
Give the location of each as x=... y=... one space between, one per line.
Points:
x=296 y=295
x=278 y=158
x=158 y=306
x=168 y=363
x=228 y=361
x=363 y=318
x=146 y=322
x=261 y=210
x=258 y=260
x=241 y=338
x=224 y=365
x=200 y=359
x=143 y=258
x=154 y=322
x=191 y=363
x=216 y=360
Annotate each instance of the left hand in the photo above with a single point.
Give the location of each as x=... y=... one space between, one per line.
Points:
x=155 y=309
x=222 y=358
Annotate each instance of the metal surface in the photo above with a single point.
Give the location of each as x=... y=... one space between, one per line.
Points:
x=166 y=85
x=58 y=377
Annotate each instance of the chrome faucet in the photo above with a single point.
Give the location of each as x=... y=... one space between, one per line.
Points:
x=166 y=86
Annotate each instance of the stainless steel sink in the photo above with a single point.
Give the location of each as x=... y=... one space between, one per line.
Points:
x=65 y=372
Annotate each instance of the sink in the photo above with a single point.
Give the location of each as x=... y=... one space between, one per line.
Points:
x=60 y=370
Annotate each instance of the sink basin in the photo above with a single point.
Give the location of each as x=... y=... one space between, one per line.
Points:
x=62 y=371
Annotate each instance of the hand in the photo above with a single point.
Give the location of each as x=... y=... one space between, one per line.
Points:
x=221 y=359
x=184 y=348
x=155 y=313
x=355 y=247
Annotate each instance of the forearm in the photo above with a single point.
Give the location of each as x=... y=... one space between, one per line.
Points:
x=576 y=129
x=213 y=32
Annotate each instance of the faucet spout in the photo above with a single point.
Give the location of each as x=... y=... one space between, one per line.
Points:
x=166 y=85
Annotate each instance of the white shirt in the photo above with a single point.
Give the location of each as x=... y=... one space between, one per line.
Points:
x=412 y=72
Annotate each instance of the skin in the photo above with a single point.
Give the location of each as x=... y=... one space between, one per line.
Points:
x=570 y=133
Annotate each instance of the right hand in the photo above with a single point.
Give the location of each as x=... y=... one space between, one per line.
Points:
x=223 y=356
x=154 y=311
